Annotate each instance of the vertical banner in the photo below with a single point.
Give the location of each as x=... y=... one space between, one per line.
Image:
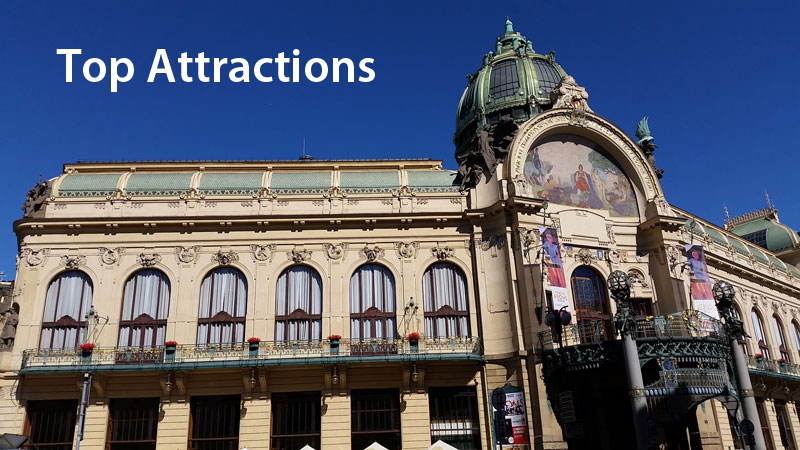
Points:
x=511 y=421
x=551 y=258
x=702 y=297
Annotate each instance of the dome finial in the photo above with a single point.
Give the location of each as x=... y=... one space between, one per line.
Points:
x=509 y=26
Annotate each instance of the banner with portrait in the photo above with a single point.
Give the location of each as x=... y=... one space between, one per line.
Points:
x=552 y=262
x=702 y=297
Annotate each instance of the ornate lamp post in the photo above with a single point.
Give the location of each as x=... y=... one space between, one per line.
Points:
x=620 y=286
x=724 y=295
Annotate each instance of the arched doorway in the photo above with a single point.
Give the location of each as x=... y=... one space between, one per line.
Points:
x=592 y=310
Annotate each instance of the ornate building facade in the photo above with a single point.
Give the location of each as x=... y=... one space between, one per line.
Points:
x=360 y=304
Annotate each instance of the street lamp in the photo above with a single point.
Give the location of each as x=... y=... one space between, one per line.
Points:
x=724 y=295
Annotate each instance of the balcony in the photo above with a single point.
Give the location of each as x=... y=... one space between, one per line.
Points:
x=210 y=356
x=772 y=368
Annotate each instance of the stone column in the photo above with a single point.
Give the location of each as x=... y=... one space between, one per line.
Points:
x=620 y=286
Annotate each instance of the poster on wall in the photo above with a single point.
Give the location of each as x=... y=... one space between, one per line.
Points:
x=551 y=258
x=702 y=297
x=511 y=424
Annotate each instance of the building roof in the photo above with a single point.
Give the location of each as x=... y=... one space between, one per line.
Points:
x=763 y=228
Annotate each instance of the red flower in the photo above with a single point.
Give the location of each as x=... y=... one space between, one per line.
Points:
x=782 y=360
x=759 y=355
x=334 y=337
x=87 y=347
x=254 y=340
x=413 y=336
x=172 y=343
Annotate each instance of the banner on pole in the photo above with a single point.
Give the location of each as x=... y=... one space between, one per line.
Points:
x=702 y=296
x=551 y=258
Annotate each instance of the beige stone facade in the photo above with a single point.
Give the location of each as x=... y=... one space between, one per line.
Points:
x=109 y=221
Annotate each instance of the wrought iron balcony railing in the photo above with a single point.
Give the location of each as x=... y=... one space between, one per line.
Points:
x=683 y=324
x=248 y=355
x=779 y=367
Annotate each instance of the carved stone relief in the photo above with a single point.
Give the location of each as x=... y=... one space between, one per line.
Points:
x=225 y=258
x=33 y=258
x=613 y=257
x=148 y=259
x=371 y=253
x=637 y=278
x=73 y=262
x=262 y=252
x=334 y=251
x=299 y=256
x=443 y=253
x=110 y=256
x=407 y=250
x=585 y=256
x=187 y=254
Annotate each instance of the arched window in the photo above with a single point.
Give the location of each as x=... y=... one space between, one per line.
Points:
x=737 y=313
x=591 y=305
x=298 y=305
x=69 y=298
x=778 y=329
x=444 y=299
x=758 y=331
x=372 y=303
x=223 y=307
x=796 y=334
x=145 y=306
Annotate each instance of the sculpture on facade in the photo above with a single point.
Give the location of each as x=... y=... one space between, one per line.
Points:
x=35 y=198
x=645 y=142
x=9 y=329
x=488 y=148
x=569 y=95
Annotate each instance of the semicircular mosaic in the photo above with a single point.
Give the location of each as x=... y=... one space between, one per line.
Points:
x=570 y=170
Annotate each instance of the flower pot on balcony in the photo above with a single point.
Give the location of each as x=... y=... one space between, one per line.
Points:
x=86 y=356
x=334 y=346
x=169 y=352
x=253 y=349
x=413 y=345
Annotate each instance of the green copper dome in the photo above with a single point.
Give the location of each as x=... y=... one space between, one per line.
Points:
x=513 y=82
x=769 y=234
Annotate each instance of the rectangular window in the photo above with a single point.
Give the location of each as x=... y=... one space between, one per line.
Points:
x=214 y=423
x=296 y=420
x=375 y=417
x=51 y=424
x=454 y=417
x=132 y=424
x=762 y=417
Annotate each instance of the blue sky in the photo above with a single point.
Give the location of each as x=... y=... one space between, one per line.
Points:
x=716 y=78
